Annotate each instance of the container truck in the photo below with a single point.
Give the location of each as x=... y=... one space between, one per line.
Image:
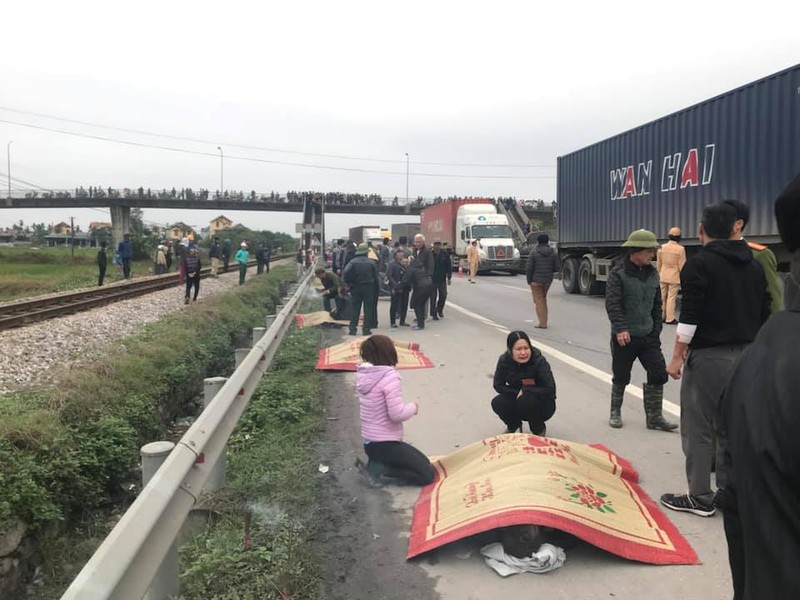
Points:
x=406 y=230
x=742 y=145
x=458 y=222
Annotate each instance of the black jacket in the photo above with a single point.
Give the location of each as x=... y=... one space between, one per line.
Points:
x=416 y=278
x=425 y=256
x=633 y=299
x=359 y=271
x=214 y=250
x=542 y=263
x=442 y=267
x=395 y=272
x=508 y=376
x=724 y=294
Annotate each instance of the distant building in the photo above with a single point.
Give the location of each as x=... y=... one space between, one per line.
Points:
x=80 y=238
x=218 y=224
x=61 y=228
x=178 y=231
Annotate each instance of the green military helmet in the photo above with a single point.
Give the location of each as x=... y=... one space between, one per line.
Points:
x=641 y=238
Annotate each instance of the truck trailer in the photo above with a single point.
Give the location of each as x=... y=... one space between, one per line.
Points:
x=365 y=233
x=406 y=230
x=742 y=145
x=458 y=222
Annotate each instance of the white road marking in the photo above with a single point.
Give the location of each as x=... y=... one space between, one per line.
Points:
x=634 y=390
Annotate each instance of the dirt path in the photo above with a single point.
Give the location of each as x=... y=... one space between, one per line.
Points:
x=358 y=531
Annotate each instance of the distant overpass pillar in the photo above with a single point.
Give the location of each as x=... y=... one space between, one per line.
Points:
x=120 y=224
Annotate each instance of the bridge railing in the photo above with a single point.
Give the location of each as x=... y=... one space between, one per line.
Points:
x=125 y=564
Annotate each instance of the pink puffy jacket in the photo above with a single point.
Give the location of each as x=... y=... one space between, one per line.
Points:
x=382 y=408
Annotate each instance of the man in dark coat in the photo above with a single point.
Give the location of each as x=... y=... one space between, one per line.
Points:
x=260 y=259
x=725 y=302
x=542 y=263
x=633 y=304
x=331 y=284
x=760 y=412
x=361 y=276
x=423 y=254
x=214 y=252
x=398 y=305
x=125 y=250
x=442 y=276
x=226 y=255
x=102 y=261
x=420 y=283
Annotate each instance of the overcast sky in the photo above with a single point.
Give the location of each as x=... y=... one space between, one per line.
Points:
x=496 y=85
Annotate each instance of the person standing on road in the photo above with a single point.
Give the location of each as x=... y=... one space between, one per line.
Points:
x=542 y=264
x=398 y=305
x=526 y=389
x=214 y=253
x=382 y=412
x=417 y=279
x=763 y=255
x=182 y=251
x=669 y=263
x=102 y=262
x=725 y=303
x=423 y=254
x=192 y=270
x=759 y=413
x=442 y=276
x=168 y=253
x=473 y=260
x=361 y=276
x=125 y=250
x=385 y=254
x=242 y=258
x=161 y=260
x=633 y=304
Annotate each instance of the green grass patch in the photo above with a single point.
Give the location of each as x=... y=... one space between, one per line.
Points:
x=68 y=450
x=272 y=491
x=34 y=271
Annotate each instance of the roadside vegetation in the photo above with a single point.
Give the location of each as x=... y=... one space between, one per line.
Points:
x=260 y=546
x=69 y=454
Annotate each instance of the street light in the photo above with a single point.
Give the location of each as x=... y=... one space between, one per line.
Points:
x=8 y=153
x=408 y=201
x=221 y=180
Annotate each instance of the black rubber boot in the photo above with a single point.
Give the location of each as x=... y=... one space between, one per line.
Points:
x=617 y=394
x=653 y=399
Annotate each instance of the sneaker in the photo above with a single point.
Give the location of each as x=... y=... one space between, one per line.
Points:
x=404 y=325
x=435 y=318
x=417 y=328
x=441 y=315
x=688 y=503
x=393 y=326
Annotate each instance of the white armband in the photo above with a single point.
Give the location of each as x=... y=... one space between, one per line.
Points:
x=686 y=333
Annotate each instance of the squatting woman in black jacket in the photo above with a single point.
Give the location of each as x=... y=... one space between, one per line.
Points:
x=526 y=390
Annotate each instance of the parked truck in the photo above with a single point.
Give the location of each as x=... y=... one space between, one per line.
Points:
x=743 y=145
x=406 y=230
x=365 y=233
x=458 y=222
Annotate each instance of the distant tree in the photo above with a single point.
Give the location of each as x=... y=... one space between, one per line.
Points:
x=144 y=243
x=38 y=231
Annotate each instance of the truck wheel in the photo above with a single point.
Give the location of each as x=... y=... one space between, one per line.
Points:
x=587 y=283
x=569 y=275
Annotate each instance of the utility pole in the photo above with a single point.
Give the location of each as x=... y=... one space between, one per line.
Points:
x=221 y=180
x=408 y=200
x=8 y=154
x=72 y=234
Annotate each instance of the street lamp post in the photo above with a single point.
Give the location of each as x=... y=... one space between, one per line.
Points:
x=408 y=200
x=8 y=153
x=221 y=180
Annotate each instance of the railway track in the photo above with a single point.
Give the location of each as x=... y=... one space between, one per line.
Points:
x=25 y=312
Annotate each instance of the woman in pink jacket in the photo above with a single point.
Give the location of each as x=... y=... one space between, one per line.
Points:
x=383 y=411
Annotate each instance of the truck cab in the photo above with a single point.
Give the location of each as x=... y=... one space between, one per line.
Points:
x=495 y=242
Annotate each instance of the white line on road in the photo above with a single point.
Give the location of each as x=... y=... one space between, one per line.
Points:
x=634 y=390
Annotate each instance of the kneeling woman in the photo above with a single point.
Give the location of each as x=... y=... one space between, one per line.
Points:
x=526 y=390
x=383 y=411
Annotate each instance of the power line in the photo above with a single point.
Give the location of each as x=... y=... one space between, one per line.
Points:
x=266 y=149
x=264 y=160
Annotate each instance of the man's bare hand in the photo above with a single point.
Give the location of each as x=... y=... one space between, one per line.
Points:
x=674 y=368
x=623 y=338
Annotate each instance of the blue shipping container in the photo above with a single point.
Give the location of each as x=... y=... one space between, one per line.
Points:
x=744 y=145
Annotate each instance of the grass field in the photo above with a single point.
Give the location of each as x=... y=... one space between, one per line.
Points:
x=28 y=272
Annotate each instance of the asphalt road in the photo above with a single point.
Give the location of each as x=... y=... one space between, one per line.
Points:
x=455 y=410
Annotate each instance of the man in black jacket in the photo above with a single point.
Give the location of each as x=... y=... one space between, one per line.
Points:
x=442 y=275
x=633 y=304
x=361 y=276
x=214 y=252
x=398 y=306
x=419 y=281
x=423 y=254
x=725 y=302
x=542 y=263
x=760 y=412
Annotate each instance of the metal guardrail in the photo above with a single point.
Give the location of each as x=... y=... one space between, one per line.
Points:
x=125 y=564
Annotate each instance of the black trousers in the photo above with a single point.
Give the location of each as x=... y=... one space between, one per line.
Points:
x=438 y=297
x=399 y=461
x=647 y=350
x=362 y=294
x=259 y=268
x=126 y=268
x=102 y=274
x=529 y=407
x=398 y=306
x=193 y=282
x=419 y=303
